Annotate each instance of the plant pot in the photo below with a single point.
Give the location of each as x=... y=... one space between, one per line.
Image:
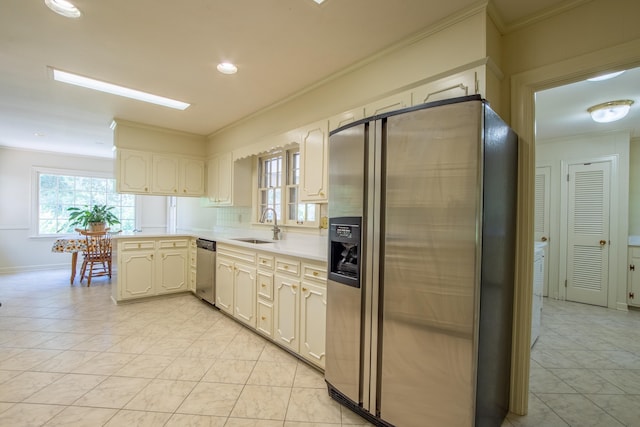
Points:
x=96 y=226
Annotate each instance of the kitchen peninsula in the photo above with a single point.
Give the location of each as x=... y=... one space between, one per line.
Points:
x=276 y=288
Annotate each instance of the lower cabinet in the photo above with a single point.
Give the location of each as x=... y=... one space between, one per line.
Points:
x=236 y=283
x=282 y=298
x=151 y=267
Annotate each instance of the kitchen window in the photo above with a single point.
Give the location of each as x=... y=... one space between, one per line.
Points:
x=59 y=190
x=278 y=189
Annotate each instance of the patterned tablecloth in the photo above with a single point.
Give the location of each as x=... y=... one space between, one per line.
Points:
x=69 y=245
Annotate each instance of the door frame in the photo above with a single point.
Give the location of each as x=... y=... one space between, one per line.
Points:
x=614 y=195
x=524 y=86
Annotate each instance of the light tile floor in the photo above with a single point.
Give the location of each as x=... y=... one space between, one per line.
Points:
x=69 y=356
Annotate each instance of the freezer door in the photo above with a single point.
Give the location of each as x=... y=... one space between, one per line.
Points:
x=344 y=302
x=430 y=265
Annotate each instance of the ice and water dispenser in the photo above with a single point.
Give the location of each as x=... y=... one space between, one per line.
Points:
x=344 y=250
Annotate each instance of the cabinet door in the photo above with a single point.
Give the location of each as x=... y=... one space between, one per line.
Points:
x=136 y=274
x=191 y=177
x=265 y=318
x=224 y=284
x=313 y=313
x=219 y=179
x=245 y=294
x=287 y=309
x=465 y=83
x=314 y=151
x=391 y=103
x=134 y=171
x=345 y=118
x=265 y=285
x=193 y=257
x=165 y=175
x=172 y=271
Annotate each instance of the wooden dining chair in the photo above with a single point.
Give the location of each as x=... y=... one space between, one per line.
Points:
x=97 y=255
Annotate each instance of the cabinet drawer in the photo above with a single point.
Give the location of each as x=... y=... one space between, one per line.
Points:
x=134 y=245
x=316 y=272
x=265 y=285
x=635 y=251
x=289 y=266
x=265 y=261
x=168 y=244
x=237 y=254
x=265 y=318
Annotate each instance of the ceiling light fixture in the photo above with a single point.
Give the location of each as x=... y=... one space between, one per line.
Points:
x=605 y=76
x=227 y=68
x=64 y=8
x=74 y=79
x=319 y=1
x=610 y=111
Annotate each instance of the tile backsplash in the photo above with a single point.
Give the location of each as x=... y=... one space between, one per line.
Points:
x=233 y=217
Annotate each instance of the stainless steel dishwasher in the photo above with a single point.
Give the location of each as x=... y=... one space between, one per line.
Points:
x=205 y=270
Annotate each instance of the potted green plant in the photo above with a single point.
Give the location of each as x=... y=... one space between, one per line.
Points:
x=94 y=218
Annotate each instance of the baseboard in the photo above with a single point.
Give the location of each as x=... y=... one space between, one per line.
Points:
x=622 y=306
x=28 y=268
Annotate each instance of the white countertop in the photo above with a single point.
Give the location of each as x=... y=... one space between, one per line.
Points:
x=294 y=244
x=634 y=240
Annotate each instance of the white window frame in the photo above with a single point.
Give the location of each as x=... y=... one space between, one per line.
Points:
x=285 y=187
x=35 y=195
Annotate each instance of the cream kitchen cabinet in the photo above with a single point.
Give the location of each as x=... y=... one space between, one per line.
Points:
x=136 y=269
x=391 y=103
x=313 y=309
x=314 y=162
x=228 y=181
x=265 y=294
x=148 y=267
x=172 y=262
x=193 y=256
x=236 y=283
x=345 y=118
x=467 y=82
x=162 y=174
x=133 y=171
x=287 y=311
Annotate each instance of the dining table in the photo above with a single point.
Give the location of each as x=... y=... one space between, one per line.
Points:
x=71 y=245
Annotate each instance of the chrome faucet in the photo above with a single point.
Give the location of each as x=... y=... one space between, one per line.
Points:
x=276 y=229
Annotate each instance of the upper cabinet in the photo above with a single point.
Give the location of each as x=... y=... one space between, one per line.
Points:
x=467 y=82
x=133 y=171
x=391 y=103
x=159 y=174
x=314 y=162
x=345 y=118
x=228 y=182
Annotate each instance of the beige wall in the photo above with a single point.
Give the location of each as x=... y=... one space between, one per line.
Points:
x=136 y=136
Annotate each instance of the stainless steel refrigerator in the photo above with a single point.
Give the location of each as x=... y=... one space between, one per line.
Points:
x=422 y=216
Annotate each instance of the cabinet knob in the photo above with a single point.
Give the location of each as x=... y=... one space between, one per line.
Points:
x=175 y=190
x=263 y=318
x=264 y=261
x=286 y=267
x=322 y=193
x=174 y=244
x=151 y=256
x=294 y=286
x=146 y=188
x=315 y=273
x=304 y=289
x=543 y=238
x=184 y=190
x=603 y=242
x=263 y=285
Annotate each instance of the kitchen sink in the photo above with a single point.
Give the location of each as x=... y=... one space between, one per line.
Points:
x=252 y=240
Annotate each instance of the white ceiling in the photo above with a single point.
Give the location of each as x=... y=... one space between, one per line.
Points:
x=172 y=49
x=562 y=111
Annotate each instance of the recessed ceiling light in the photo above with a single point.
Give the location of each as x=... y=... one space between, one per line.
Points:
x=227 y=68
x=64 y=8
x=605 y=76
x=74 y=79
x=319 y=1
x=610 y=111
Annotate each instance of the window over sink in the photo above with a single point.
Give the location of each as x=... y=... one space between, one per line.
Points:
x=278 y=189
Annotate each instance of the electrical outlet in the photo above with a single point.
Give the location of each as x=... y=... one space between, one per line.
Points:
x=324 y=222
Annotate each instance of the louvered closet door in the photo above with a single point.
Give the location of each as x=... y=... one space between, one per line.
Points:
x=588 y=233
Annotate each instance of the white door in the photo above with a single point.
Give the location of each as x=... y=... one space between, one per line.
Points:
x=588 y=233
x=542 y=209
